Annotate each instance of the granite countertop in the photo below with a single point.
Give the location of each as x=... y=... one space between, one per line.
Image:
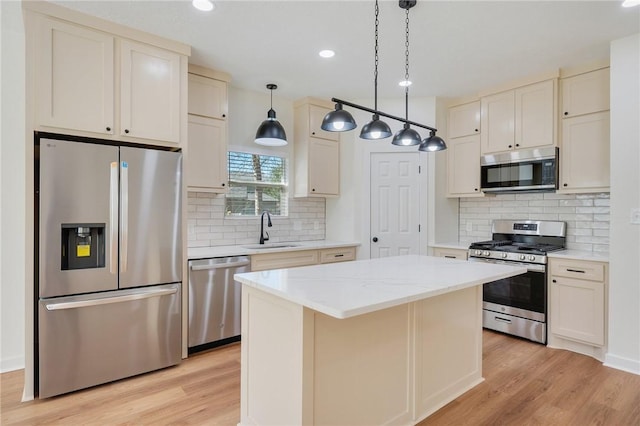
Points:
x=249 y=249
x=346 y=289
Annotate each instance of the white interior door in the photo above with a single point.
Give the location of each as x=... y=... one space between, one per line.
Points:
x=395 y=204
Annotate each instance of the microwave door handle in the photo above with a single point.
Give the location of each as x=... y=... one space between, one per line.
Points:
x=113 y=219
x=124 y=215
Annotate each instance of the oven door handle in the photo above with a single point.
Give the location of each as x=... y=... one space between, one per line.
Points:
x=531 y=267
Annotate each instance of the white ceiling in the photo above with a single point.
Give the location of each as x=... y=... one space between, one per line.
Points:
x=456 y=47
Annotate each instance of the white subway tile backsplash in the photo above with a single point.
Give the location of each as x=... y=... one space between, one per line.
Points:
x=207 y=225
x=587 y=216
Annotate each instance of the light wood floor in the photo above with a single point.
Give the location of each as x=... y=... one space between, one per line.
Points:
x=526 y=384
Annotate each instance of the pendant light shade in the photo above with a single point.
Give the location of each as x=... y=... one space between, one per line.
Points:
x=406 y=137
x=433 y=143
x=338 y=120
x=271 y=132
x=375 y=129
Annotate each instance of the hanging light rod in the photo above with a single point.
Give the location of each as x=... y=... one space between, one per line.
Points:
x=384 y=114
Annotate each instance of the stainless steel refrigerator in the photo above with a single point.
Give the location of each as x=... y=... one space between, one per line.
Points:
x=109 y=262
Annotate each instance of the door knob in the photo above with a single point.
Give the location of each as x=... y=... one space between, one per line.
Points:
x=375 y=239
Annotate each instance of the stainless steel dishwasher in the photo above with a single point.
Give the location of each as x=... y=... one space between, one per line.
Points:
x=214 y=301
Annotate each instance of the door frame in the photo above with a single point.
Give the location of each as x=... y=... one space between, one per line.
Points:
x=423 y=182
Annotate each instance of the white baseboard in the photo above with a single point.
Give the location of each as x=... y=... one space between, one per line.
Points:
x=624 y=364
x=11 y=364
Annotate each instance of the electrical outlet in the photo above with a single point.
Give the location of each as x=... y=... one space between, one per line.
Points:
x=635 y=216
x=469 y=226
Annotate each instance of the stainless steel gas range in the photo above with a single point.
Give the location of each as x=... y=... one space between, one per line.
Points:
x=518 y=305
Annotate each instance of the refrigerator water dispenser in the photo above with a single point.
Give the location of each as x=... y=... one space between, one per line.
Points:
x=83 y=246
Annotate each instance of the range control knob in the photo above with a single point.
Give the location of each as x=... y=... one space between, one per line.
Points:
x=504 y=255
x=522 y=257
x=477 y=252
x=532 y=258
x=486 y=253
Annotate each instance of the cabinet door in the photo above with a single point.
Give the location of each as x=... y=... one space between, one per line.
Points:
x=585 y=93
x=497 y=121
x=464 y=120
x=577 y=309
x=149 y=92
x=206 y=161
x=324 y=165
x=207 y=97
x=584 y=156
x=74 y=77
x=535 y=115
x=316 y=115
x=463 y=166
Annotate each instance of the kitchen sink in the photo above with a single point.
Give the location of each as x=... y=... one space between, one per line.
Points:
x=270 y=246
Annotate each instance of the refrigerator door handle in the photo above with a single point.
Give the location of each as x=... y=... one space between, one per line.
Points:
x=113 y=219
x=219 y=266
x=57 y=306
x=124 y=214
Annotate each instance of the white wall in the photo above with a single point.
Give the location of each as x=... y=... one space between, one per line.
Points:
x=624 y=272
x=12 y=183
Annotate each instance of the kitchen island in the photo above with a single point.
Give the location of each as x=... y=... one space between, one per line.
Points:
x=378 y=341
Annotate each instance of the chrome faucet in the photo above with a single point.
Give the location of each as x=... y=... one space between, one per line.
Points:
x=269 y=225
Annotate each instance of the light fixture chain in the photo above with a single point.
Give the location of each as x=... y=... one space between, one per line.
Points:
x=375 y=74
x=406 y=68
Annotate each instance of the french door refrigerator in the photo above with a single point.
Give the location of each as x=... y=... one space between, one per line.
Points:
x=109 y=262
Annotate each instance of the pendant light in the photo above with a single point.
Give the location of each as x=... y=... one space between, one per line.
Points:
x=338 y=120
x=407 y=136
x=376 y=128
x=271 y=132
x=432 y=143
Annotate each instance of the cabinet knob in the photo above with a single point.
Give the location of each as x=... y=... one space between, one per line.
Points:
x=313 y=133
x=223 y=184
x=564 y=184
x=517 y=144
x=566 y=113
x=554 y=281
x=374 y=239
x=108 y=129
x=510 y=146
x=313 y=190
x=475 y=189
x=126 y=130
x=475 y=130
x=224 y=115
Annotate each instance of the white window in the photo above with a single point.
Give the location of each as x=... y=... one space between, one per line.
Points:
x=256 y=183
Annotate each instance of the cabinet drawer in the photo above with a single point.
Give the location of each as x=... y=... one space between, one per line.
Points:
x=342 y=254
x=592 y=271
x=450 y=253
x=289 y=259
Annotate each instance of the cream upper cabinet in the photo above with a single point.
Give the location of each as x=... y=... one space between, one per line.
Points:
x=207 y=97
x=149 y=92
x=464 y=120
x=317 y=158
x=463 y=167
x=584 y=159
x=577 y=301
x=585 y=93
x=519 y=119
x=584 y=144
x=90 y=82
x=206 y=155
x=74 y=77
x=206 y=159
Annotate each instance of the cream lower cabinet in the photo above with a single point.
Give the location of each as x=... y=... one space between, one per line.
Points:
x=463 y=167
x=295 y=258
x=577 y=305
x=450 y=253
x=76 y=88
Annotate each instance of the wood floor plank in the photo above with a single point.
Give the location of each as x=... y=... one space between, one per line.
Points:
x=525 y=384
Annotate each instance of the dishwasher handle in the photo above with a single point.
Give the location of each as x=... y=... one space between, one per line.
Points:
x=220 y=265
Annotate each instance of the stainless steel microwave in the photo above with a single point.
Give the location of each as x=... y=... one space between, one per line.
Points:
x=519 y=171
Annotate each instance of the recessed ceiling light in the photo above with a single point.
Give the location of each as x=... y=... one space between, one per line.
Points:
x=327 y=53
x=204 y=5
x=630 y=3
x=405 y=83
